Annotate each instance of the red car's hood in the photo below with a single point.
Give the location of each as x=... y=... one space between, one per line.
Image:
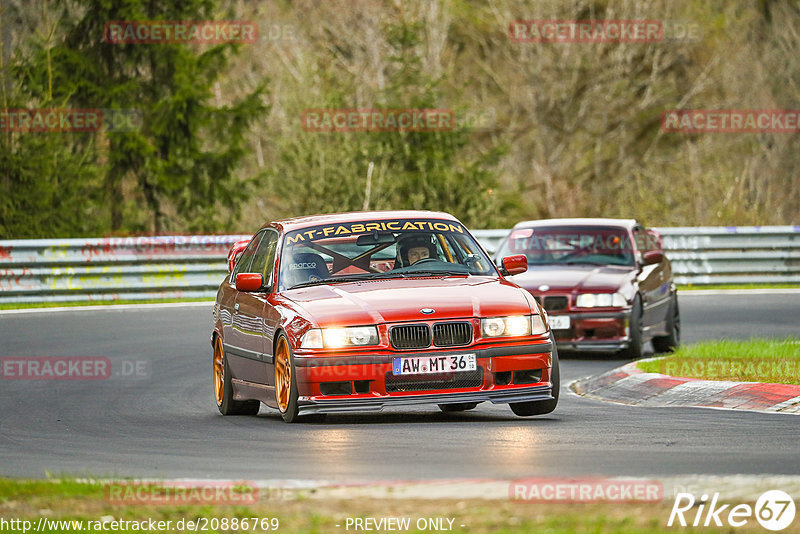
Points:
x=578 y=277
x=394 y=300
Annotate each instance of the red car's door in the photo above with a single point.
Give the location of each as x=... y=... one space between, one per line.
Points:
x=247 y=343
x=228 y=307
x=237 y=339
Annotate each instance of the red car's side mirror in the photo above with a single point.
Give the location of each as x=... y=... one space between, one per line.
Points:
x=234 y=253
x=652 y=257
x=515 y=264
x=248 y=281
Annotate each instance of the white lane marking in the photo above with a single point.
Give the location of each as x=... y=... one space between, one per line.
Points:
x=736 y=487
x=787 y=406
x=571 y=391
x=718 y=292
x=113 y=307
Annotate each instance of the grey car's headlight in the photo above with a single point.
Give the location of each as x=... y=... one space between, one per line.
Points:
x=351 y=336
x=512 y=326
x=600 y=300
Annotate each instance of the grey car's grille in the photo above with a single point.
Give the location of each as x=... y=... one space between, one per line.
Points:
x=554 y=304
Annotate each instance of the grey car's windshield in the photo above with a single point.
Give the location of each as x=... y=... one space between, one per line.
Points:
x=570 y=245
x=365 y=250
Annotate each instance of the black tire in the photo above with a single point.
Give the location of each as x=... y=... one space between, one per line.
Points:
x=458 y=407
x=671 y=341
x=225 y=402
x=286 y=391
x=525 y=409
x=636 y=347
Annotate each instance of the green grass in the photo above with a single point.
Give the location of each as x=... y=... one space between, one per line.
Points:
x=29 y=305
x=300 y=512
x=692 y=287
x=756 y=360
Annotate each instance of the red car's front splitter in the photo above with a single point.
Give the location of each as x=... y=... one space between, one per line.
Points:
x=499 y=396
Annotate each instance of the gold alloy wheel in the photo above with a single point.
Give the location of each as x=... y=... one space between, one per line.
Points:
x=219 y=371
x=283 y=374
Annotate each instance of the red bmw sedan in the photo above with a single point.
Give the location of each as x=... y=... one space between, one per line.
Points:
x=360 y=311
x=605 y=284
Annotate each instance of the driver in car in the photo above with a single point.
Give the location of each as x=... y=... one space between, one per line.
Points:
x=415 y=248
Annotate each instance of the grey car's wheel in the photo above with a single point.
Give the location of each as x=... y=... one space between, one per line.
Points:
x=542 y=407
x=635 y=348
x=672 y=340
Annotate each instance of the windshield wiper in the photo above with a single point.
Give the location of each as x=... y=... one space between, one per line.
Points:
x=379 y=276
x=355 y=278
x=329 y=281
x=387 y=274
x=433 y=272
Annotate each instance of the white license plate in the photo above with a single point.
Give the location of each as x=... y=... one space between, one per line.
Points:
x=426 y=365
x=559 y=322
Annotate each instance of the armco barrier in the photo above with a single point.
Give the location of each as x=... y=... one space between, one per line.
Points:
x=734 y=254
x=136 y=268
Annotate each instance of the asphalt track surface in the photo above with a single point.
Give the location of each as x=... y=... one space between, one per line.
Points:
x=166 y=425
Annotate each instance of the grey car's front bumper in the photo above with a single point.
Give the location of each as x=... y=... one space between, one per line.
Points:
x=593 y=346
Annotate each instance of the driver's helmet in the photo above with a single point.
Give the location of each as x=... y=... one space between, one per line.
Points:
x=415 y=241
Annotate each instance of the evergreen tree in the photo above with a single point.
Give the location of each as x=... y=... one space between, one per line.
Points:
x=176 y=171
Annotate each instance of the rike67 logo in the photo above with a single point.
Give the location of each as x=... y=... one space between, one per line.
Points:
x=774 y=510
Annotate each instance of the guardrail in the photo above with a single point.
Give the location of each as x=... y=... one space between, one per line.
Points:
x=135 y=268
x=734 y=254
x=138 y=268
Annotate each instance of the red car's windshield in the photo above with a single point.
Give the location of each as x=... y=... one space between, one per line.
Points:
x=570 y=245
x=379 y=249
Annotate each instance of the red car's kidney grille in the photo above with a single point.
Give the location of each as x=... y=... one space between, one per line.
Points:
x=418 y=336
x=554 y=304
x=460 y=380
x=410 y=336
x=452 y=334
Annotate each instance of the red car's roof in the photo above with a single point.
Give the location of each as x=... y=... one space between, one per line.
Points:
x=354 y=216
x=622 y=223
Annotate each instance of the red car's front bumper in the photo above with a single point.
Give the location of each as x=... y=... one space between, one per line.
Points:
x=344 y=382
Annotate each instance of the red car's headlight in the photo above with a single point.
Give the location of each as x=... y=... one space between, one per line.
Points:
x=351 y=336
x=512 y=326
